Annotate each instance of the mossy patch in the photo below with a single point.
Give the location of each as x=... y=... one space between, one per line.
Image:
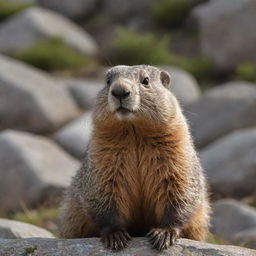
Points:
x=42 y=217
x=171 y=13
x=246 y=71
x=53 y=54
x=133 y=48
x=8 y=9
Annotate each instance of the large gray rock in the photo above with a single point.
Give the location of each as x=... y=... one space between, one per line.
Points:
x=36 y=24
x=230 y=164
x=221 y=110
x=75 y=136
x=183 y=85
x=11 y=229
x=93 y=247
x=246 y=238
x=33 y=169
x=232 y=219
x=227 y=31
x=83 y=91
x=32 y=100
x=73 y=9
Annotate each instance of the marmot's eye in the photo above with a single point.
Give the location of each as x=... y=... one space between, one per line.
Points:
x=145 y=81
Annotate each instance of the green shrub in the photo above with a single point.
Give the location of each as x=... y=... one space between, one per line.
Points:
x=132 y=48
x=171 y=13
x=53 y=54
x=8 y=8
x=200 y=68
x=247 y=71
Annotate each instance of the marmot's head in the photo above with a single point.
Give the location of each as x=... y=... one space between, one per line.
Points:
x=134 y=93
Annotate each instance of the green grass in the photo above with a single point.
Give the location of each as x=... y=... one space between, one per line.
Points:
x=42 y=217
x=171 y=13
x=8 y=9
x=212 y=239
x=53 y=54
x=132 y=48
x=246 y=71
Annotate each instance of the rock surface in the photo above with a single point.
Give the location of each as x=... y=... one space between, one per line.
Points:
x=36 y=24
x=221 y=110
x=227 y=31
x=93 y=247
x=83 y=91
x=33 y=169
x=230 y=164
x=32 y=100
x=10 y=229
x=75 y=136
x=73 y=9
x=232 y=219
x=183 y=85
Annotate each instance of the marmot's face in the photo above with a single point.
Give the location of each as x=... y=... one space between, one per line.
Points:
x=135 y=92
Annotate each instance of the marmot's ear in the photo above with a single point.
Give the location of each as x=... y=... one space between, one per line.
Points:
x=165 y=79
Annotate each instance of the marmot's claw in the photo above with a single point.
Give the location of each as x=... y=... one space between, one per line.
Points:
x=116 y=240
x=162 y=238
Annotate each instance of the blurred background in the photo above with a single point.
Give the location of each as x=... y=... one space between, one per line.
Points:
x=53 y=56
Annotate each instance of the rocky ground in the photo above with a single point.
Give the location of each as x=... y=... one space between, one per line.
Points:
x=53 y=56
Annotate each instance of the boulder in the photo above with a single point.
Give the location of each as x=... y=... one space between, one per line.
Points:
x=221 y=110
x=32 y=100
x=246 y=238
x=36 y=24
x=10 y=229
x=227 y=31
x=83 y=91
x=33 y=170
x=183 y=85
x=93 y=247
x=230 y=164
x=73 y=9
x=75 y=136
x=232 y=219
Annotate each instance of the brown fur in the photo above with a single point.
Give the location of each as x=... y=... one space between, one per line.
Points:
x=142 y=165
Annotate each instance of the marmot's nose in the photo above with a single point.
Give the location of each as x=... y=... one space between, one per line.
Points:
x=120 y=92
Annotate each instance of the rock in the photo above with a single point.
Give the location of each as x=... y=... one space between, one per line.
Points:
x=93 y=247
x=183 y=85
x=75 y=136
x=15 y=229
x=32 y=100
x=83 y=91
x=121 y=10
x=230 y=218
x=230 y=164
x=221 y=110
x=246 y=238
x=36 y=24
x=33 y=169
x=72 y=9
x=232 y=21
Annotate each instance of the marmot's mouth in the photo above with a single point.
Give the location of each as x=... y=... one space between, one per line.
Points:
x=123 y=110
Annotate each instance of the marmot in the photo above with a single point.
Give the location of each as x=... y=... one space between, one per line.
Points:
x=141 y=175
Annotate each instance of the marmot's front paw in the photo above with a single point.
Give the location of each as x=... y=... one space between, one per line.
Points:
x=162 y=238
x=116 y=240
